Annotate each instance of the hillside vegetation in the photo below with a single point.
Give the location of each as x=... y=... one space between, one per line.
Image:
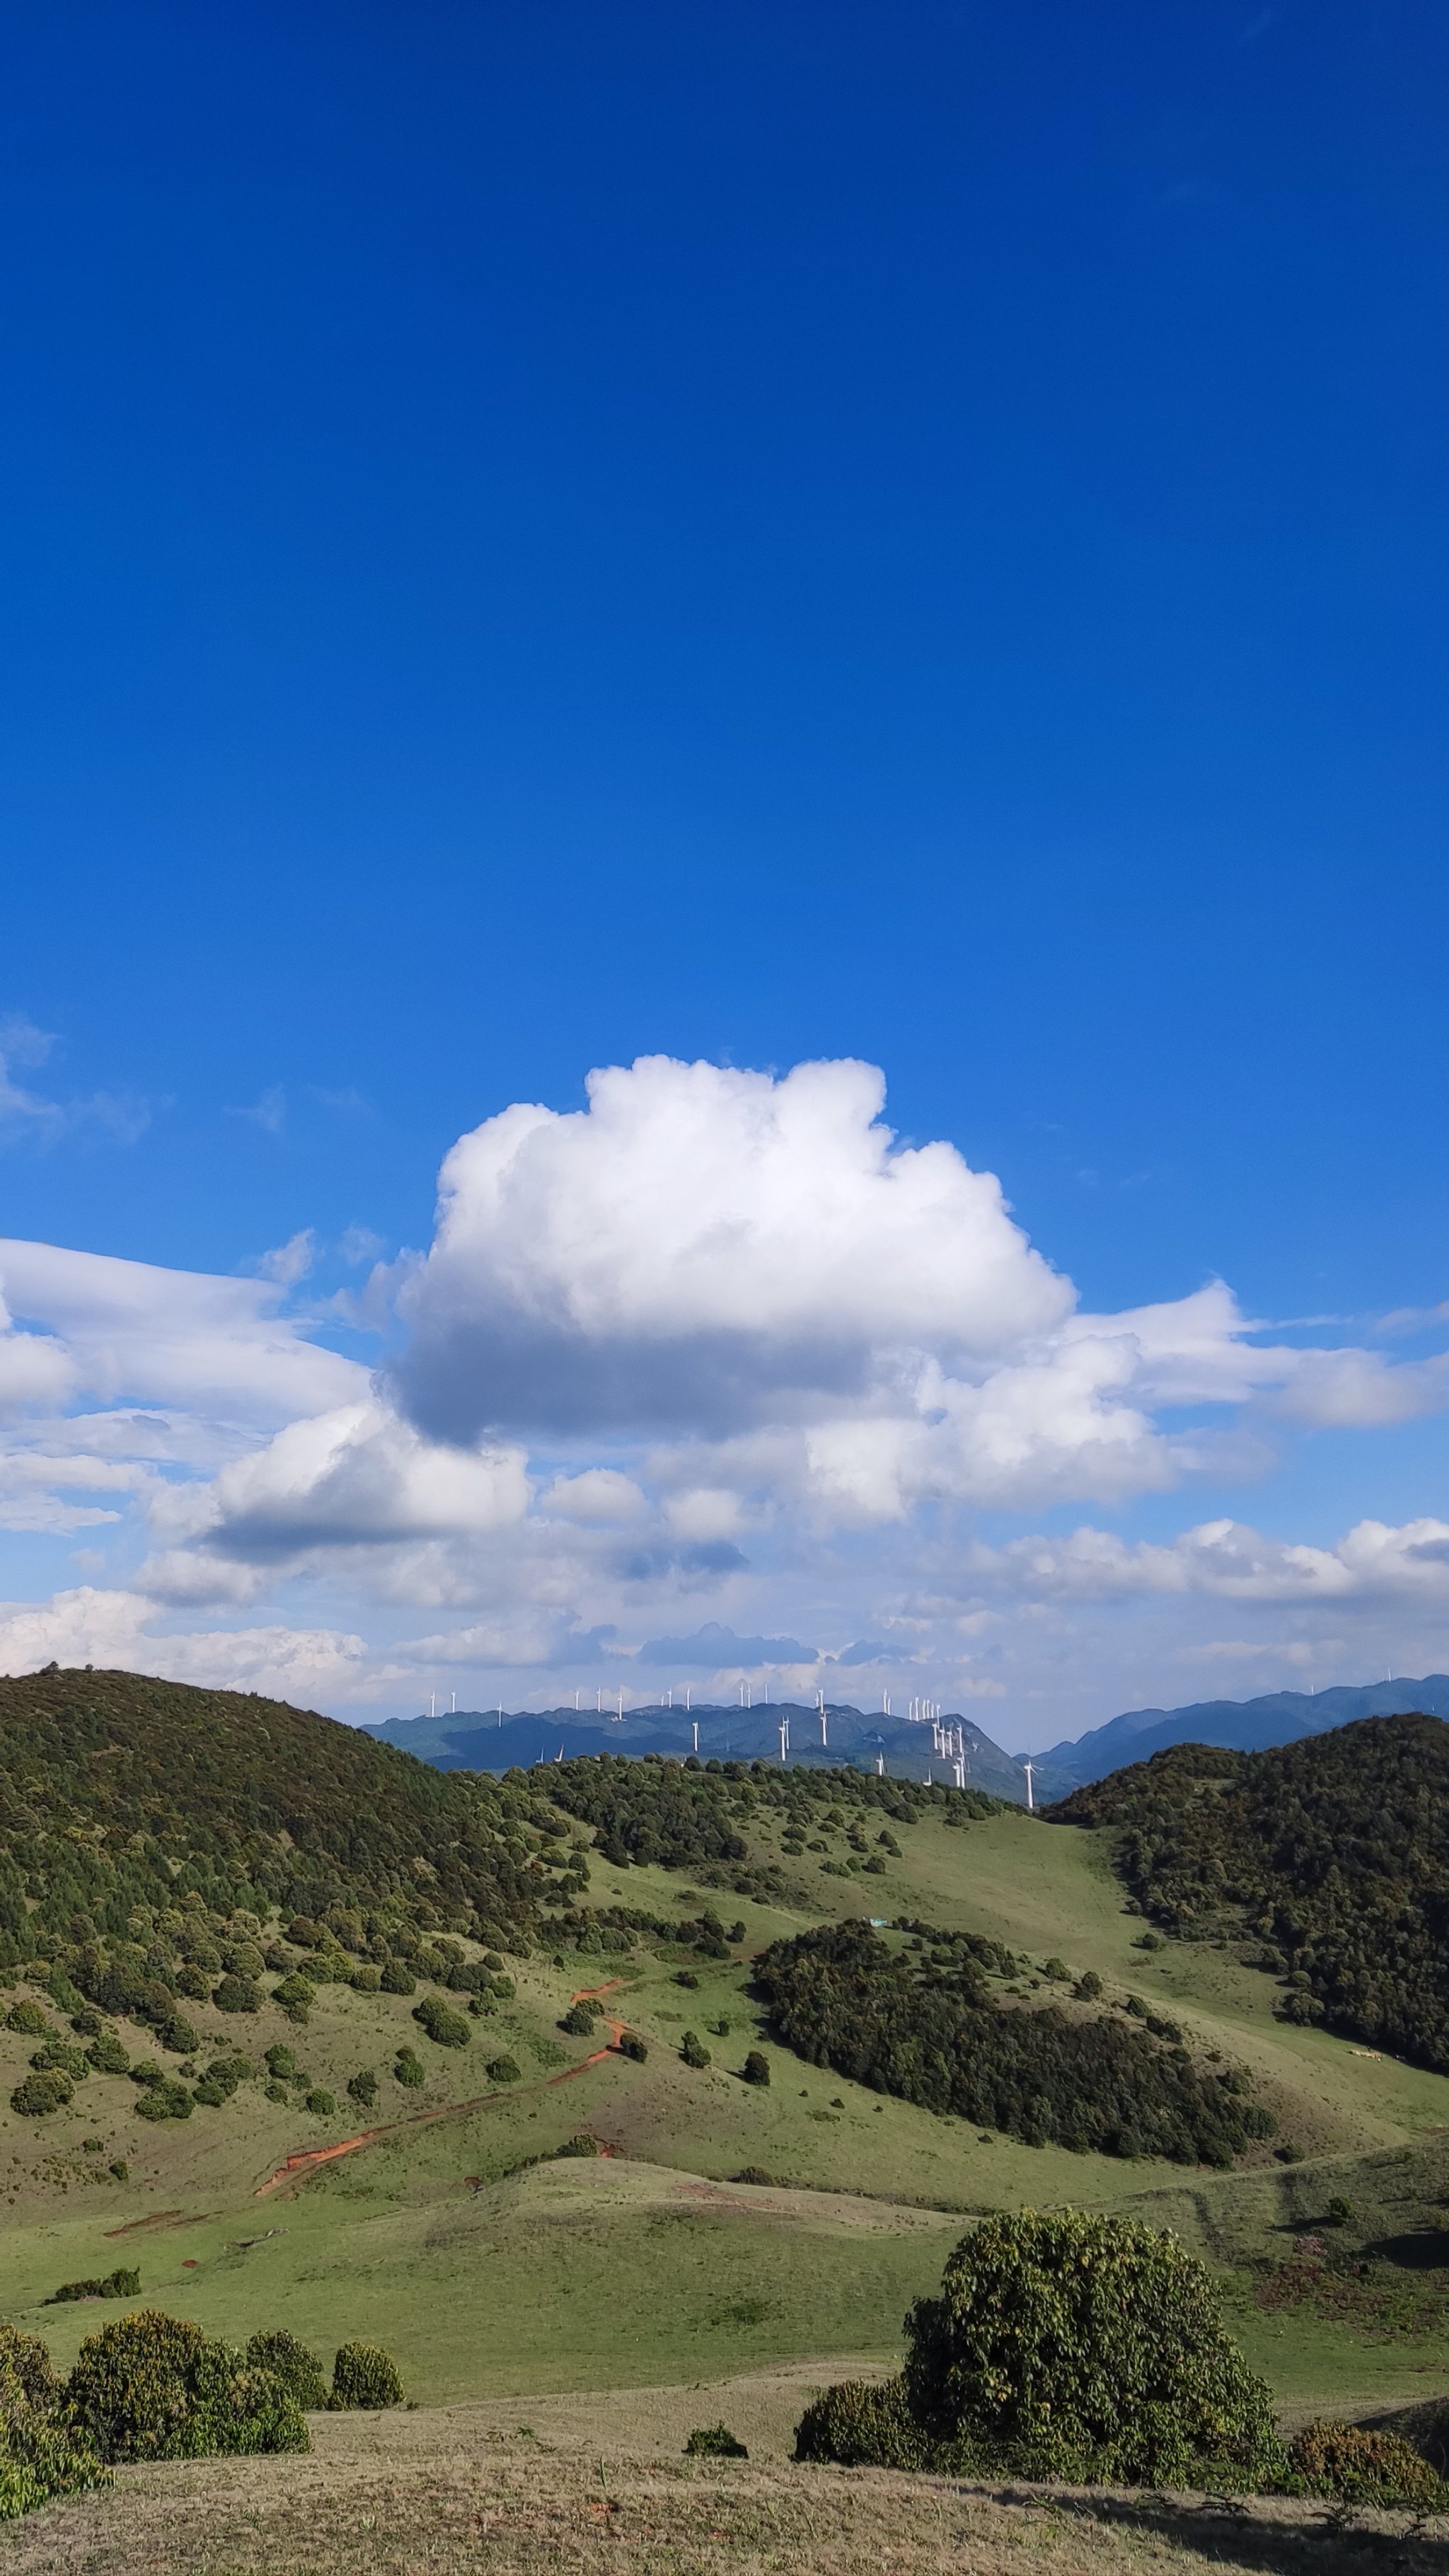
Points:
x=1333 y=1853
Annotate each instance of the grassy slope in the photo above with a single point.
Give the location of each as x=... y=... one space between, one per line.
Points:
x=626 y=2272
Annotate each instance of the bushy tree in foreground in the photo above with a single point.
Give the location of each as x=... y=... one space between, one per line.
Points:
x=1065 y=2346
x=153 y=2387
x=364 y=2375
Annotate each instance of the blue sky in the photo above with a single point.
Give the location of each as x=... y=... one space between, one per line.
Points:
x=532 y=538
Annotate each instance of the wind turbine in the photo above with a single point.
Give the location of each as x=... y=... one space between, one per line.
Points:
x=1028 y=1767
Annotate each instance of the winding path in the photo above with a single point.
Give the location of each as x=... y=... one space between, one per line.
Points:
x=308 y=2160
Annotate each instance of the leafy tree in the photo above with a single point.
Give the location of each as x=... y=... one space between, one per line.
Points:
x=1071 y=2347
x=693 y=2051
x=504 y=2070
x=444 y=2026
x=37 y=2095
x=154 y=2387
x=364 y=2375
x=362 y=2089
x=1364 y=2466
x=289 y=2360
x=756 y=2068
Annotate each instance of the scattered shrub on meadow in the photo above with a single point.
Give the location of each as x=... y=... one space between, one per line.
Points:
x=1088 y=1986
x=37 y=2095
x=693 y=2051
x=40 y=2457
x=27 y=2359
x=28 y=2018
x=154 y=2387
x=179 y=2035
x=237 y=1995
x=321 y=2103
x=409 y=2068
x=757 y=2175
x=280 y=2061
x=164 y=2100
x=1339 y=2212
x=756 y=2068
x=503 y=2070
x=366 y=1981
x=120 y=2284
x=1362 y=2466
x=294 y=1996
x=289 y=2360
x=579 y=2020
x=364 y=2375
x=362 y=2088
x=108 y=2054
x=57 y=2053
x=631 y=2045
x=397 y=1980
x=714 y=2442
x=446 y=2028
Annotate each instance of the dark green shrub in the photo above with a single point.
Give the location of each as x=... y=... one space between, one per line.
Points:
x=1339 y=2212
x=1365 y=2467
x=276 y=2092
x=631 y=2045
x=321 y=2104
x=714 y=2442
x=26 y=2358
x=1088 y=1986
x=279 y=2061
x=1068 y=2346
x=757 y=2175
x=109 y=2054
x=294 y=1996
x=685 y=1977
x=862 y=2427
x=397 y=1980
x=362 y=2088
x=179 y=2035
x=153 y=2387
x=65 y=2060
x=364 y=2375
x=365 y=1981
x=409 y=2070
x=165 y=2100
x=444 y=2026
x=580 y=2144
x=756 y=2068
x=579 y=2021
x=1057 y=1970
x=693 y=2051
x=39 y=2456
x=36 y=2096
x=238 y=1995
x=288 y=2360
x=28 y=2018
x=503 y=2070
x=119 y=2284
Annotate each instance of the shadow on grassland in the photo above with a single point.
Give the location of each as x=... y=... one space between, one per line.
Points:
x=1332 y=2540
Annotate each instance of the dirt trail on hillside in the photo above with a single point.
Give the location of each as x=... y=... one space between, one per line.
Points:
x=307 y=2160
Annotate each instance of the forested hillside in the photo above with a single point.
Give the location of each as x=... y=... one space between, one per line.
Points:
x=1333 y=1853
x=118 y=1792
x=920 y=2022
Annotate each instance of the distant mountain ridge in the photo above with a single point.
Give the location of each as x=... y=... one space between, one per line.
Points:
x=475 y=1740
x=1243 y=1726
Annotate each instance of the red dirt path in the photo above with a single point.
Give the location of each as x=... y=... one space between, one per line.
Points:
x=307 y=2160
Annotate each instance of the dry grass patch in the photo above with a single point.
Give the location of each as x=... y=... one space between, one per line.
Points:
x=449 y=2494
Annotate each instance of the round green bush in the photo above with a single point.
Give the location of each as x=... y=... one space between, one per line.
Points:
x=714 y=2442
x=364 y=2375
x=276 y=2092
x=321 y=2103
x=1365 y=2467
x=37 y=2095
x=290 y=2361
x=1087 y=2349
x=578 y=2021
x=153 y=2387
x=179 y=2035
x=409 y=2070
x=862 y=2427
x=365 y=1981
x=631 y=2045
x=28 y=2018
x=362 y=2089
x=444 y=2026
x=398 y=1980
x=504 y=2070
x=295 y=1997
x=109 y=2054
x=693 y=2051
x=279 y=2060
x=26 y=2360
x=237 y=1995
x=165 y=2101
x=756 y=2068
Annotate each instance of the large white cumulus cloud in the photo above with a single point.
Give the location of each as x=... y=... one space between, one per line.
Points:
x=706 y=1249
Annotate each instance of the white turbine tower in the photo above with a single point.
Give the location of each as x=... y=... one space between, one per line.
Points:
x=824 y=1737
x=880 y=1766
x=1028 y=1768
x=695 y=1724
